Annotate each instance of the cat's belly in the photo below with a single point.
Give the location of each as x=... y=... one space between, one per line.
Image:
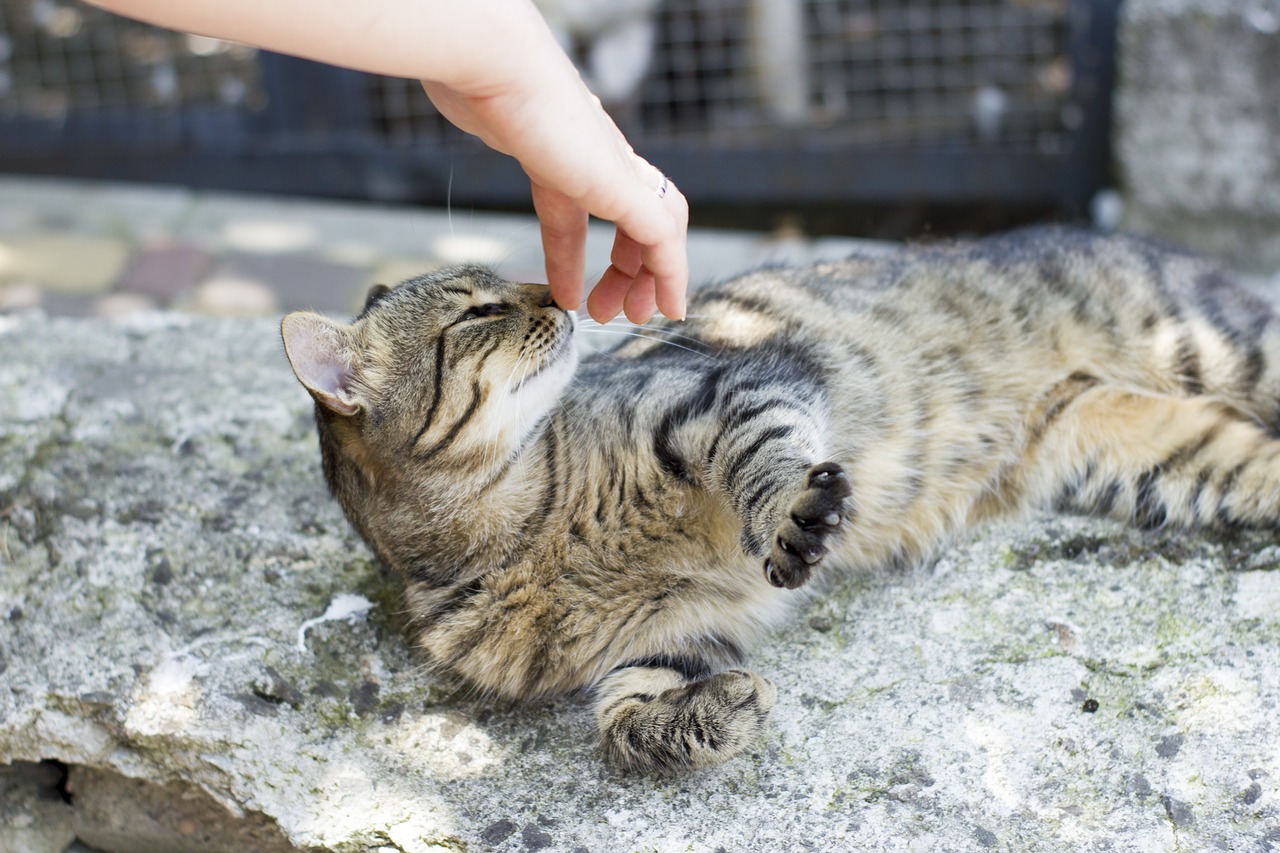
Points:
x=569 y=614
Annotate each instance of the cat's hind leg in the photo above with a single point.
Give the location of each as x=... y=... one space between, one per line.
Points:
x=654 y=718
x=1156 y=459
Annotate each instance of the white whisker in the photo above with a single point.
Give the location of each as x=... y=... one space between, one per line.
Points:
x=448 y=202
x=591 y=323
x=636 y=334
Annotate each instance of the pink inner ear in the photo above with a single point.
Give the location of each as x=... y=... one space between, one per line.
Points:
x=320 y=360
x=331 y=378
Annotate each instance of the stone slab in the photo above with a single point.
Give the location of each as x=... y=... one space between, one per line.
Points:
x=171 y=561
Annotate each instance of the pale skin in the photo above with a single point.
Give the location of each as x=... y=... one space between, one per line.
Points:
x=494 y=69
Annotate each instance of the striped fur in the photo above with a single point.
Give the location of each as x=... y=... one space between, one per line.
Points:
x=634 y=523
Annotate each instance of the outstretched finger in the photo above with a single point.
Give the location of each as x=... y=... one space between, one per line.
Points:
x=668 y=260
x=564 y=237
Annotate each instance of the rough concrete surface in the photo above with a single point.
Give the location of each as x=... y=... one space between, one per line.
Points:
x=1197 y=124
x=204 y=657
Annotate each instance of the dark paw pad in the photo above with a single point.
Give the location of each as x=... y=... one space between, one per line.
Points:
x=818 y=512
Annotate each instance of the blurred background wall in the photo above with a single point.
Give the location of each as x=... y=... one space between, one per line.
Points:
x=872 y=116
x=1197 y=138
x=887 y=118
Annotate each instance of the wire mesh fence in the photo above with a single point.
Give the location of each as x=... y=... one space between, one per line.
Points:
x=57 y=57
x=679 y=76
x=865 y=71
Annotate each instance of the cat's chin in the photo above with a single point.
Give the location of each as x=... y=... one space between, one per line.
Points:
x=542 y=386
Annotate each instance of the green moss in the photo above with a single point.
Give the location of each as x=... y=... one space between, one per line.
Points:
x=1132 y=547
x=387 y=594
x=1007 y=558
x=1203 y=688
x=1171 y=629
x=1019 y=651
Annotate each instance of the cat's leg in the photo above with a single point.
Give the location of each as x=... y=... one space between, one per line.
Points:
x=772 y=465
x=800 y=539
x=1157 y=459
x=655 y=718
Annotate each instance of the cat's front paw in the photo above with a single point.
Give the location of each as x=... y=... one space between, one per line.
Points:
x=816 y=514
x=695 y=725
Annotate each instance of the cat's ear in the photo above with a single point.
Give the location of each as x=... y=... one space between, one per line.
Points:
x=321 y=355
x=375 y=293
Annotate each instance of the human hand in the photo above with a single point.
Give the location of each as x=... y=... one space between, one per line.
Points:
x=646 y=273
x=494 y=69
x=534 y=106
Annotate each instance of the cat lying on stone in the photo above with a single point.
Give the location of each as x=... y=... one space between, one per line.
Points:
x=633 y=523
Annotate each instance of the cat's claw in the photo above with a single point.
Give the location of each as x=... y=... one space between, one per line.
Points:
x=816 y=514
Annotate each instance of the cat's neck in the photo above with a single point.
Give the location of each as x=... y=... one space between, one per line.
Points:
x=478 y=512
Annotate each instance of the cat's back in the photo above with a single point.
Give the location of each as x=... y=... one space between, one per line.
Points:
x=1026 y=306
x=1021 y=283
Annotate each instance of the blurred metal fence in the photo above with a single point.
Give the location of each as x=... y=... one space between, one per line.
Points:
x=744 y=101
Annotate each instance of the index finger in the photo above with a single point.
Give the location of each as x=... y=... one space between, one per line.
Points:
x=564 y=235
x=668 y=260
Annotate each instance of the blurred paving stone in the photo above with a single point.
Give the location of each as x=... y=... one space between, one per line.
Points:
x=395 y=270
x=351 y=254
x=122 y=304
x=164 y=271
x=22 y=296
x=228 y=296
x=269 y=237
x=308 y=253
x=297 y=281
x=69 y=263
x=103 y=208
x=241 y=222
x=69 y=304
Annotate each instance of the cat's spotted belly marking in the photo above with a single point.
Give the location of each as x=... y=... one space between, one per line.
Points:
x=634 y=523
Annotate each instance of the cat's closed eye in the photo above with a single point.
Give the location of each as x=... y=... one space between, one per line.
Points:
x=489 y=309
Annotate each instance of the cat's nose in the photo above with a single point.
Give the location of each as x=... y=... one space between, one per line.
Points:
x=546 y=301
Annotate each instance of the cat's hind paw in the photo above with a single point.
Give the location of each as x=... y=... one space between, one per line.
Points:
x=817 y=513
x=697 y=724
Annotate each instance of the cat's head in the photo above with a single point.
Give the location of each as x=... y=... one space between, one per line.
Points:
x=457 y=365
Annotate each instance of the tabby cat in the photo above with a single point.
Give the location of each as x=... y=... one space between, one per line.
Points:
x=633 y=523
